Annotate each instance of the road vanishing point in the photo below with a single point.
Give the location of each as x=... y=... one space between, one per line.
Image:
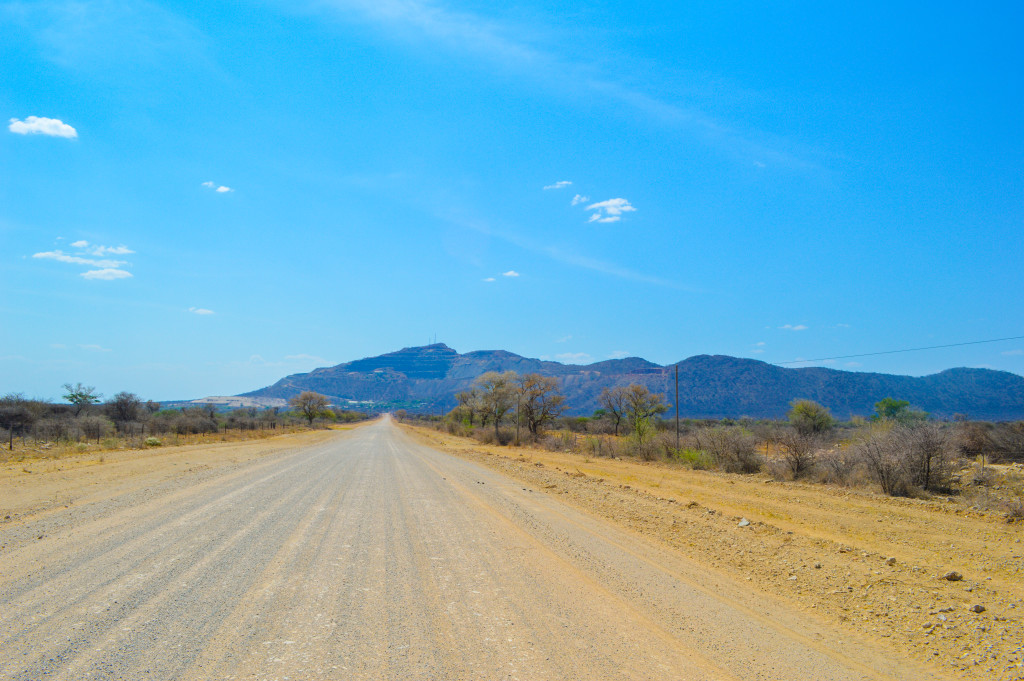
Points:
x=370 y=556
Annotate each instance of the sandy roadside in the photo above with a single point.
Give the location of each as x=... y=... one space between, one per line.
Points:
x=859 y=560
x=33 y=487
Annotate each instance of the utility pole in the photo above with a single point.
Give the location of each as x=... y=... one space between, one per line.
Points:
x=677 y=407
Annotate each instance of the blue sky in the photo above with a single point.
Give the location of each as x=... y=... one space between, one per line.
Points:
x=199 y=198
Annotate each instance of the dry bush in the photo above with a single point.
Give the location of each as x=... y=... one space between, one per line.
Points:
x=929 y=453
x=839 y=466
x=881 y=455
x=601 y=446
x=798 y=453
x=732 y=449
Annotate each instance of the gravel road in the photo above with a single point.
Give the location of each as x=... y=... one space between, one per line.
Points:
x=373 y=557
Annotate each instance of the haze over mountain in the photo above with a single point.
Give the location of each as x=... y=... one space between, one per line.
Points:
x=426 y=379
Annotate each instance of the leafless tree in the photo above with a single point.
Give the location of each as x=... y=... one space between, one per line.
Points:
x=124 y=408
x=310 y=404
x=497 y=396
x=540 y=401
x=614 y=401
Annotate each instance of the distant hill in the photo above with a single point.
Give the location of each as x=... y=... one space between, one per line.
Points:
x=710 y=386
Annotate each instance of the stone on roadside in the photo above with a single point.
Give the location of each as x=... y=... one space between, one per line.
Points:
x=977 y=608
x=952 y=576
x=744 y=522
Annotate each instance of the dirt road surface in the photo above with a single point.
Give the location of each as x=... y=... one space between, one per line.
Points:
x=370 y=556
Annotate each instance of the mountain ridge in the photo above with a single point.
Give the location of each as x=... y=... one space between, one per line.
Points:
x=426 y=378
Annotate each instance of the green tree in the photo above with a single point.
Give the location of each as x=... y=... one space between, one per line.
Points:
x=890 y=409
x=81 y=396
x=809 y=418
x=310 y=404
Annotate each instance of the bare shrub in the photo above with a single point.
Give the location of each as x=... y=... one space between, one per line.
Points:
x=881 y=455
x=928 y=449
x=732 y=449
x=839 y=466
x=798 y=452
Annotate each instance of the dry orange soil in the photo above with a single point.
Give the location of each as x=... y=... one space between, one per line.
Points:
x=871 y=564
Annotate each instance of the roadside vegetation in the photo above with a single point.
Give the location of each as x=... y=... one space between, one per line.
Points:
x=35 y=428
x=899 y=450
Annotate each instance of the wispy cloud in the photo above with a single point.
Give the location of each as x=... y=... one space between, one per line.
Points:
x=220 y=189
x=579 y=198
x=564 y=339
x=525 y=51
x=574 y=358
x=1012 y=353
x=61 y=256
x=610 y=210
x=791 y=327
x=200 y=311
x=103 y=35
x=618 y=354
x=107 y=274
x=90 y=255
x=306 y=358
x=853 y=365
x=36 y=125
x=94 y=348
x=489 y=279
x=510 y=273
x=559 y=185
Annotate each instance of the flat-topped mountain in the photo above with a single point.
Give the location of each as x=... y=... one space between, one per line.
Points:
x=426 y=379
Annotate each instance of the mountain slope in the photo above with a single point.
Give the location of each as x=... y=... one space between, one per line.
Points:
x=426 y=379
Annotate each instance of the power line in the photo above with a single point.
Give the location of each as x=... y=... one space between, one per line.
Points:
x=893 y=352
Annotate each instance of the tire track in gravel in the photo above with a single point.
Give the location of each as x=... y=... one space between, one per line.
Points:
x=371 y=557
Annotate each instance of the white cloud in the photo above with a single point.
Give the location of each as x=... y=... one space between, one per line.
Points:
x=61 y=256
x=200 y=310
x=94 y=348
x=488 y=279
x=92 y=256
x=579 y=198
x=35 y=125
x=574 y=358
x=107 y=274
x=1012 y=353
x=559 y=185
x=564 y=339
x=618 y=354
x=853 y=365
x=110 y=250
x=610 y=210
x=759 y=343
x=220 y=189
x=510 y=273
x=757 y=351
x=790 y=327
